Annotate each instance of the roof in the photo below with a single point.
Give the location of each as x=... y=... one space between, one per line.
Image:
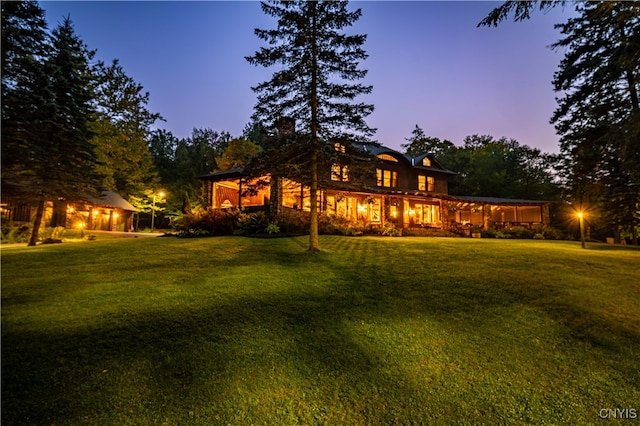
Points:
x=495 y=200
x=111 y=199
x=225 y=174
x=415 y=162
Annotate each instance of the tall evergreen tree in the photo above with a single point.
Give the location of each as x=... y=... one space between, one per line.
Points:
x=315 y=86
x=68 y=167
x=598 y=115
x=47 y=107
x=26 y=93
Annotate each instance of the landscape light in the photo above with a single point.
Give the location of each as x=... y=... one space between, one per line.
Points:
x=581 y=220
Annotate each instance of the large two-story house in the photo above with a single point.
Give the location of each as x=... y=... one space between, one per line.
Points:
x=411 y=192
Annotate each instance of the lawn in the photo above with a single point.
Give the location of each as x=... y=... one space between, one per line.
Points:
x=234 y=330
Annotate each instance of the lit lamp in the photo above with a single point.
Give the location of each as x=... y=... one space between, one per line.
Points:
x=153 y=209
x=581 y=219
x=81 y=226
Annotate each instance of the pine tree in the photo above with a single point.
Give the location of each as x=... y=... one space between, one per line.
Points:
x=598 y=115
x=66 y=166
x=25 y=95
x=314 y=88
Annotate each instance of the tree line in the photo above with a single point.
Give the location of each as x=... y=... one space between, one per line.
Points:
x=72 y=125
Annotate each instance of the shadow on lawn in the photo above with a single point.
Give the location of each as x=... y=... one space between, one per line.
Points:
x=195 y=364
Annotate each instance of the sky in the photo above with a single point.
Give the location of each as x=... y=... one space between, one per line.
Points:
x=428 y=63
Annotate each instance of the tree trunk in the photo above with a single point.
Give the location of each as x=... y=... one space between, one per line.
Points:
x=314 y=244
x=36 y=224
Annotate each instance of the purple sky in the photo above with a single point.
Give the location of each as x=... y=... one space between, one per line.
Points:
x=428 y=64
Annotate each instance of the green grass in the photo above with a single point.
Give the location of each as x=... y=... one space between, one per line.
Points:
x=233 y=330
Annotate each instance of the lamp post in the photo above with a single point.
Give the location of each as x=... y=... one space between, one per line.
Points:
x=581 y=219
x=153 y=208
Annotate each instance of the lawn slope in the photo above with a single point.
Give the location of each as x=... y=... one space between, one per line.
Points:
x=233 y=330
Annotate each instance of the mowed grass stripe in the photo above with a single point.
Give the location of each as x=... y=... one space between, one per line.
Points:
x=370 y=331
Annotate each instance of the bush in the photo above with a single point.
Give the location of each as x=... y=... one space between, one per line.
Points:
x=252 y=223
x=389 y=229
x=207 y=222
x=49 y=233
x=272 y=228
x=12 y=233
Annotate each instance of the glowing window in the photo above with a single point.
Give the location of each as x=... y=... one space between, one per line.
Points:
x=340 y=173
x=386 y=178
x=339 y=147
x=388 y=157
x=426 y=183
x=426 y=162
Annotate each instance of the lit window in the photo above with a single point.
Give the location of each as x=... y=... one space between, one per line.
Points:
x=387 y=178
x=426 y=183
x=339 y=147
x=339 y=173
x=426 y=162
x=388 y=157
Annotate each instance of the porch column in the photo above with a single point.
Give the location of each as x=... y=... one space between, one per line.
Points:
x=544 y=212
x=486 y=216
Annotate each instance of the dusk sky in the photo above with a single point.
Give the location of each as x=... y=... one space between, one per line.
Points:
x=428 y=63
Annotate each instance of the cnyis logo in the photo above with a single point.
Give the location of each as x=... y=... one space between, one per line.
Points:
x=618 y=413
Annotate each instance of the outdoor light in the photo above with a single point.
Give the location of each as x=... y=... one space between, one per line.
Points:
x=81 y=226
x=581 y=220
x=153 y=209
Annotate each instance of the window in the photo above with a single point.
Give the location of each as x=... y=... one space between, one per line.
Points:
x=426 y=183
x=426 y=213
x=387 y=178
x=426 y=162
x=388 y=157
x=340 y=173
x=339 y=147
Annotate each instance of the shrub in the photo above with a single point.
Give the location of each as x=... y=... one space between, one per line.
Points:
x=252 y=223
x=211 y=221
x=49 y=233
x=272 y=228
x=389 y=229
x=12 y=233
x=296 y=222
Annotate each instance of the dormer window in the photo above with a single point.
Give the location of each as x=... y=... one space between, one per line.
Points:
x=387 y=157
x=426 y=162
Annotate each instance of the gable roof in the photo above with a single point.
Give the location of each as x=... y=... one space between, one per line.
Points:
x=111 y=199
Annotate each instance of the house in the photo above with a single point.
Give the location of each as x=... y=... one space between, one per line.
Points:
x=411 y=192
x=109 y=212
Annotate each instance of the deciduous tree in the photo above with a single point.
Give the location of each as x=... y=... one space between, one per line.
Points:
x=122 y=131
